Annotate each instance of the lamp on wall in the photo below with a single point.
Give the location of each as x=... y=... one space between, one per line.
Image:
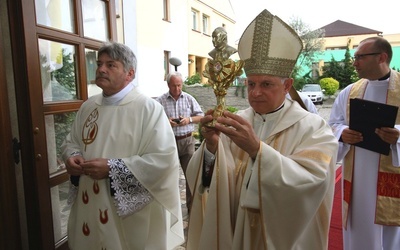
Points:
x=176 y=62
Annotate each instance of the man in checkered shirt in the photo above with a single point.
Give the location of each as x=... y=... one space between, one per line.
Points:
x=183 y=111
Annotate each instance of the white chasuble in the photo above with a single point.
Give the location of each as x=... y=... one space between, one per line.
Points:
x=137 y=132
x=281 y=200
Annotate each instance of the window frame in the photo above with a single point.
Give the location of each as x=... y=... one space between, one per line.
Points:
x=166 y=10
x=195 y=21
x=206 y=24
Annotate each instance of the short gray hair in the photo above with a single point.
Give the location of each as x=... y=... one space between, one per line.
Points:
x=176 y=74
x=119 y=52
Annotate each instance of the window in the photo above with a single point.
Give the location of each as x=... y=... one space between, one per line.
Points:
x=205 y=24
x=58 y=71
x=118 y=8
x=315 y=70
x=336 y=48
x=166 y=63
x=166 y=10
x=58 y=16
x=194 y=19
x=95 y=19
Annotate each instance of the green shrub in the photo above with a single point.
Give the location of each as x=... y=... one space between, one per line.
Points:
x=196 y=78
x=330 y=85
x=232 y=109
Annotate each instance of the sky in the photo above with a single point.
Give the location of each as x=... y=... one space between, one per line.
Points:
x=316 y=13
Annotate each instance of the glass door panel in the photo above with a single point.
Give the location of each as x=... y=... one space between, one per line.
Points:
x=95 y=19
x=56 y=14
x=91 y=66
x=58 y=68
x=58 y=127
x=61 y=210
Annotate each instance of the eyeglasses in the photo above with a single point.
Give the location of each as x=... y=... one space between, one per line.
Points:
x=360 y=56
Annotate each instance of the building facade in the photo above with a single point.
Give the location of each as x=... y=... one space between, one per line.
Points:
x=179 y=29
x=339 y=35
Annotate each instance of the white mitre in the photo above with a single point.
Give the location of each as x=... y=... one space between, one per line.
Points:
x=269 y=46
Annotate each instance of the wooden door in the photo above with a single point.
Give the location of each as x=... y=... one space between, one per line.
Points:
x=54 y=44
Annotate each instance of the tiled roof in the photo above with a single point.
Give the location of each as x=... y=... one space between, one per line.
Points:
x=340 y=28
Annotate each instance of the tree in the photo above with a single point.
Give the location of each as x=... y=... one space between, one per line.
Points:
x=332 y=69
x=349 y=74
x=301 y=80
x=312 y=47
x=66 y=74
x=343 y=71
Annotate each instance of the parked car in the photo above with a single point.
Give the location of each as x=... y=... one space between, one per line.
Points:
x=315 y=92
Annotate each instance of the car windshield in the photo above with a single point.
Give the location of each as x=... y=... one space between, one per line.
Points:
x=311 y=88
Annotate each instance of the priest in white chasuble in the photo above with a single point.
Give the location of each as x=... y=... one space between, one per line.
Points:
x=122 y=158
x=263 y=178
x=371 y=180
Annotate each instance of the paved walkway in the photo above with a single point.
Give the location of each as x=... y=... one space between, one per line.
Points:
x=182 y=187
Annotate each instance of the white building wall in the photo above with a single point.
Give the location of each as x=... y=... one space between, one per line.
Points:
x=149 y=36
x=220 y=13
x=128 y=10
x=145 y=31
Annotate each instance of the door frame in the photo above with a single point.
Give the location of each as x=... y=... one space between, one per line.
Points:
x=36 y=225
x=10 y=233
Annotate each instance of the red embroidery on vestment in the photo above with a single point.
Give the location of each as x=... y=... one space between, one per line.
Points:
x=389 y=184
x=347 y=191
x=85 y=229
x=103 y=217
x=96 y=188
x=85 y=197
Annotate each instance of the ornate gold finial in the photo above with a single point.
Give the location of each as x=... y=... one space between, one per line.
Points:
x=220 y=70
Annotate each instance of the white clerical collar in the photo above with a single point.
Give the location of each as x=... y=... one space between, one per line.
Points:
x=116 y=98
x=379 y=82
x=264 y=116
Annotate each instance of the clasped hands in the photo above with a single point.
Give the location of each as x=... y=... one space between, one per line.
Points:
x=235 y=127
x=95 y=168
